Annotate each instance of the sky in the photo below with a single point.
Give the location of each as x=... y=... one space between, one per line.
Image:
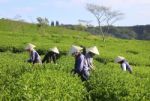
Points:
x=136 y=12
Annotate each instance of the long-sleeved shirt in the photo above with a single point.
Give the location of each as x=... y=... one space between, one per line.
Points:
x=34 y=57
x=125 y=66
x=80 y=63
x=89 y=60
x=49 y=57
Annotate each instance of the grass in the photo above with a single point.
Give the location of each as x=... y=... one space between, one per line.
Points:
x=20 y=81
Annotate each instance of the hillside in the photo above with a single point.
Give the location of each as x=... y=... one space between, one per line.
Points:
x=20 y=81
x=14 y=38
x=140 y=32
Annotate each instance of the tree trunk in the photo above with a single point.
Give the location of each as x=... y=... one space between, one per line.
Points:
x=101 y=31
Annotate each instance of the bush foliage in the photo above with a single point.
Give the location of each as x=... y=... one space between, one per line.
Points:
x=22 y=81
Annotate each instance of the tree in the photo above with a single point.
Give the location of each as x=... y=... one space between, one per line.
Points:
x=104 y=15
x=52 y=23
x=112 y=17
x=42 y=22
x=99 y=13
x=57 y=23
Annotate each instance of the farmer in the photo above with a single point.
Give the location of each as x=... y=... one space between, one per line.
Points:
x=51 y=55
x=91 y=52
x=124 y=64
x=80 y=66
x=34 y=56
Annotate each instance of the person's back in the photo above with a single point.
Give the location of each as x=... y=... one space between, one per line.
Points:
x=35 y=57
x=91 y=52
x=81 y=67
x=79 y=63
x=49 y=57
x=125 y=66
x=89 y=60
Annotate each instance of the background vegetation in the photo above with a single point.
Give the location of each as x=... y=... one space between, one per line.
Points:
x=21 y=81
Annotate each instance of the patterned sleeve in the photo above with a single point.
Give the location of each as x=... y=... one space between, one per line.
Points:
x=80 y=63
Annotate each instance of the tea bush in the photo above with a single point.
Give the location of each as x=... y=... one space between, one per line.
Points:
x=109 y=83
x=22 y=81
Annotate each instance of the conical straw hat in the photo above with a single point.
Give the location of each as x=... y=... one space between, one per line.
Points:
x=30 y=46
x=119 y=58
x=93 y=50
x=75 y=49
x=54 y=49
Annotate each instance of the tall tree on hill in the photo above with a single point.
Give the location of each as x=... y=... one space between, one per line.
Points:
x=99 y=13
x=104 y=15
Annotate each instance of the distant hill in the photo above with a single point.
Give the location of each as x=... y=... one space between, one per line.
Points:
x=14 y=35
x=141 y=32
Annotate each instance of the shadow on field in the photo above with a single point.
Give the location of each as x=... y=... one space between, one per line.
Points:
x=11 y=49
x=103 y=60
x=21 y=50
x=132 y=52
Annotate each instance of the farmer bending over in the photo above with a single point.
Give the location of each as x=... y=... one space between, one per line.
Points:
x=51 y=55
x=80 y=66
x=124 y=64
x=34 y=56
x=91 y=52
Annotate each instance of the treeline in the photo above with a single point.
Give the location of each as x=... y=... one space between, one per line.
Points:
x=141 y=32
x=44 y=21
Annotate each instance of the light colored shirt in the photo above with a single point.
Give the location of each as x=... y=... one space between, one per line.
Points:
x=124 y=67
x=89 y=60
x=34 y=57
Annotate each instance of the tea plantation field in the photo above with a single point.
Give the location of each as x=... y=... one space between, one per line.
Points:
x=21 y=81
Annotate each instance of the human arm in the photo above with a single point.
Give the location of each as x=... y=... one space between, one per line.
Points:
x=80 y=63
x=54 y=58
x=46 y=57
x=31 y=59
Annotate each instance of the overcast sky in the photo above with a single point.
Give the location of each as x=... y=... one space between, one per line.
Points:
x=137 y=12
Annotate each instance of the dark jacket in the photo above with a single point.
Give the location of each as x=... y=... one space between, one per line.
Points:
x=49 y=57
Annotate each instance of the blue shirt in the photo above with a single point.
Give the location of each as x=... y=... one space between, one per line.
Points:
x=80 y=63
x=34 y=57
x=125 y=66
